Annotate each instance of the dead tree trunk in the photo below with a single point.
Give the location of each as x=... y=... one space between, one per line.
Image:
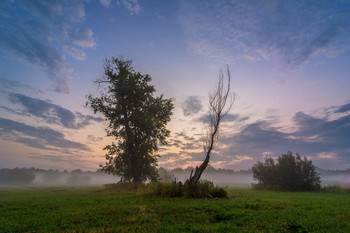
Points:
x=217 y=110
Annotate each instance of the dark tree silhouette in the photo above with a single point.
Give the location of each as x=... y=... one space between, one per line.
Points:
x=220 y=103
x=290 y=172
x=16 y=176
x=137 y=120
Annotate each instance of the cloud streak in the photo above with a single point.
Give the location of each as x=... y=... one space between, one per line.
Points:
x=228 y=118
x=131 y=5
x=8 y=84
x=243 y=30
x=343 y=108
x=51 y=113
x=37 y=137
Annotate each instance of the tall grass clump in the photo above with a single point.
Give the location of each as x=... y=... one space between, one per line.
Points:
x=129 y=186
x=334 y=189
x=203 y=189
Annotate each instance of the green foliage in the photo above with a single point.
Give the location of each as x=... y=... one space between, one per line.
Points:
x=218 y=192
x=203 y=189
x=290 y=172
x=137 y=121
x=94 y=209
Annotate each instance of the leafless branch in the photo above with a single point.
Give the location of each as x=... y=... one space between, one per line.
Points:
x=220 y=103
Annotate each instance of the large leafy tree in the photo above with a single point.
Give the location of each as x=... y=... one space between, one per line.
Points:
x=137 y=120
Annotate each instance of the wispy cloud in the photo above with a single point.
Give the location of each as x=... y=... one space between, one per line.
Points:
x=106 y=3
x=290 y=31
x=10 y=110
x=92 y=138
x=51 y=113
x=324 y=155
x=228 y=118
x=42 y=32
x=82 y=38
x=131 y=5
x=37 y=137
x=11 y=85
x=343 y=108
x=192 y=105
x=59 y=158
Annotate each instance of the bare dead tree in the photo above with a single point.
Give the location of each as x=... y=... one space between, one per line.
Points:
x=220 y=103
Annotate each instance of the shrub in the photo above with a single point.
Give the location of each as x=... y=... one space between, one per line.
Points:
x=163 y=189
x=204 y=189
x=290 y=172
x=334 y=189
x=218 y=192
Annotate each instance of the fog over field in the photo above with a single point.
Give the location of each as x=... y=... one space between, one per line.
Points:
x=245 y=178
x=342 y=180
x=85 y=179
x=221 y=177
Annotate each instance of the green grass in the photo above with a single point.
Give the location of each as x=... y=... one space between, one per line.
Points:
x=93 y=209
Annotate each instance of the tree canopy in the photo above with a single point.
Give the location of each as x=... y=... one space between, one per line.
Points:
x=137 y=121
x=290 y=172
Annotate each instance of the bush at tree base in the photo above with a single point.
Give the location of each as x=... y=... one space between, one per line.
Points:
x=203 y=189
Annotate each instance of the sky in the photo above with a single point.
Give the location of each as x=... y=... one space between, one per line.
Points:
x=289 y=63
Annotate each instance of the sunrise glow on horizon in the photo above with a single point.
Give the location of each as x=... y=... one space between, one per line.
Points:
x=289 y=62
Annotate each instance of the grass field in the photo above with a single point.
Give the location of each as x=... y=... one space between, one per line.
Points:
x=93 y=209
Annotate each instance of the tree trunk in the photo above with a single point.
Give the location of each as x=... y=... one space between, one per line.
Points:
x=217 y=110
x=199 y=170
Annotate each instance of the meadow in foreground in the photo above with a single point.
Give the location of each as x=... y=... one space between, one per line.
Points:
x=93 y=209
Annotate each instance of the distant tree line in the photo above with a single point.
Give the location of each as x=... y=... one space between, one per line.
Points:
x=22 y=176
x=212 y=170
x=17 y=176
x=261 y=172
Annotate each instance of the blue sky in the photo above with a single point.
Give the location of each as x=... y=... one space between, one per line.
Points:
x=289 y=62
